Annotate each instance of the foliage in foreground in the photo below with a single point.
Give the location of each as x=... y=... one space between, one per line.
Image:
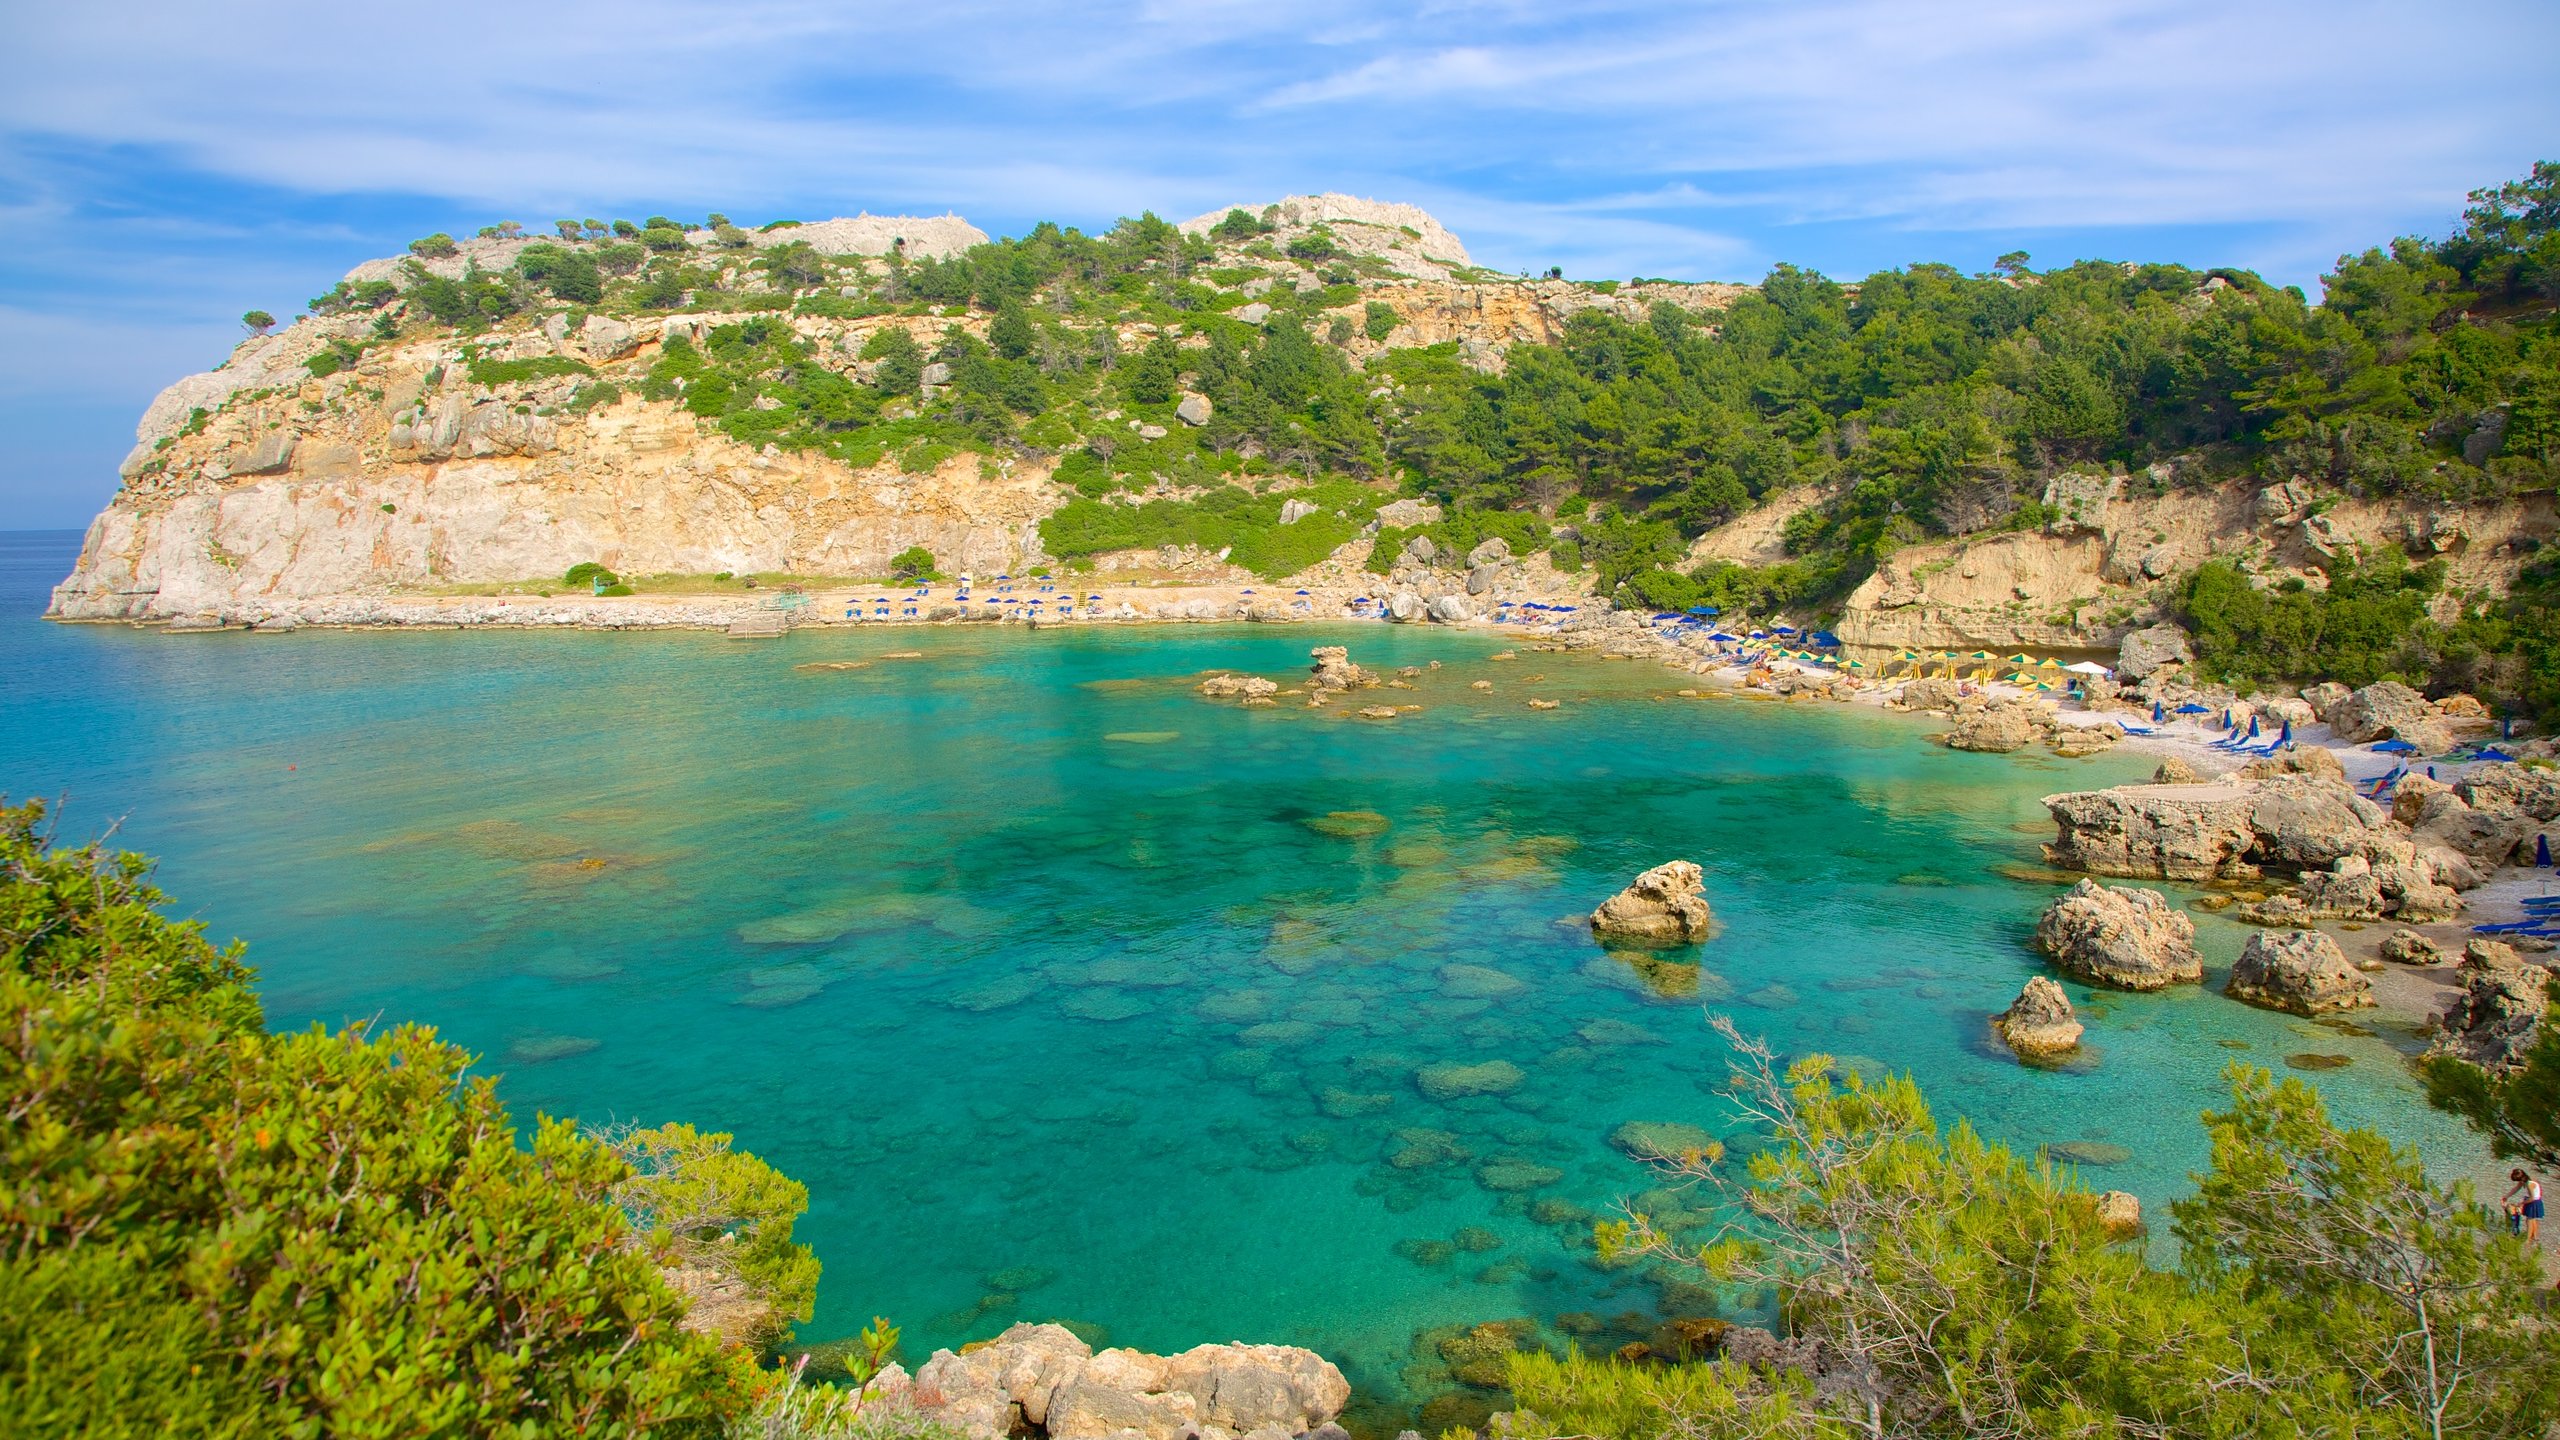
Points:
x=206 y=1229
x=2326 y=1287
x=2519 y=1110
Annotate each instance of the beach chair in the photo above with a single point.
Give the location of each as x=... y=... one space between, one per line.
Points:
x=2538 y=929
x=2135 y=729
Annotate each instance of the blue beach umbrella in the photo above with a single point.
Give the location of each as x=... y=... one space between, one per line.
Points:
x=2494 y=753
x=2253 y=727
x=2287 y=737
x=2395 y=747
x=2542 y=852
x=2156 y=716
x=1704 y=610
x=1825 y=637
x=2192 y=708
x=1302 y=592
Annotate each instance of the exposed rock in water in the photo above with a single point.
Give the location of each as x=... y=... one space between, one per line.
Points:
x=2073 y=741
x=1996 y=729
x=1248 y=687
x=2174 y=771
x=2503 y=1001
x=1334 y=670
x=1664 y=906
x=2116 y=935
x=1666 y=1142
x=2298 y=970
x=2039 y=1022
x=2153 y=832
x=1041 y=1377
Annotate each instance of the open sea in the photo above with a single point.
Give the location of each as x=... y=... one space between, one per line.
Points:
x=1073 y=995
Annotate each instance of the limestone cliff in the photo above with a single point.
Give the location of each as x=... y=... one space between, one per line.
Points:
x=259 y=486
x=2097 y=570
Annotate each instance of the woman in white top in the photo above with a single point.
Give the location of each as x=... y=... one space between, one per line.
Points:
x=2528 y=1212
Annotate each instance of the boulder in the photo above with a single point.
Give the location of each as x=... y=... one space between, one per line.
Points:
x=2324 y=697
x=2039 y=1022
x=2408 y=947
x=2174 y=771
x=2283 y=503
x=1452 y=610
x=2512 y=790
x=1995 y=729
x=2300 y=760
x=2120 y=1214
x=1665 y=906
x=2348 y=890
x=2494 y=1023
x=1043 y=1379
x=1293 y=511
x=935 y=373
x=1668 y=1142
x=1928 y=694
x=2298 y=970
x=2073 y=741
x=1406 y=608
x=2117 y=935
x=1490 y=552
x=605 y=338
x=1405 y=514
x=1194 y=410
x=2308 y=821
x=1334 y=670
x=1421 y=548
x=1253 y=314
x=2153 y=832
x=2146 y=650
x=2389 y=710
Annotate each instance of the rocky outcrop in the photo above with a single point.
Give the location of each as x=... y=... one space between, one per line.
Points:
x=2153 y=832
x=2388 y=710
x=2073 y=741
x=1996 y=729
x=1239 y=687
x=1334 y=670
x=2354 y=888
x=2039 y=1023
x=2309 y=821
x=2408 y=947
x=2144 y=651
x=2499 y=1017
x=1042 y=1379
x=2120 y=936
x=2302 y=971
x=1665 y=906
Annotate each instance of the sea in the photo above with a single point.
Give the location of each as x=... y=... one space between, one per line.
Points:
x=1073 y=995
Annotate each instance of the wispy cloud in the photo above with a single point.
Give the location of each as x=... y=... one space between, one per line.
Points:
x=165 y=163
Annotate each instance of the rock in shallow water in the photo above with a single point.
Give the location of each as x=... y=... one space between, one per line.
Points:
x=2039 y=1023
x=1663 y=907
x=2121 y=936
x=1043 y=1376
x=2302 y=971
x=1450 y=1080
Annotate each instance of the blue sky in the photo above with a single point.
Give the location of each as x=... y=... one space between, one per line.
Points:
x=165 y=166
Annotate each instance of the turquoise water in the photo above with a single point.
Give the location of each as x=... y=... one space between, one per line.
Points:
x=1027 y=959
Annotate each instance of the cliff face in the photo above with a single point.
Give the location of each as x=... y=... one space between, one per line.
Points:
x=256 y=486
x=2098 y=570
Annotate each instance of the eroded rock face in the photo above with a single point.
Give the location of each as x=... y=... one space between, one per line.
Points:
x=2298 y=970
x=2039 y=1023
x=2309 y=821
x=1996 y=729
x=2499 y=1016
x=2117 y=935
x=1043 y=1376
x=1665 y=906
x=2153 y=832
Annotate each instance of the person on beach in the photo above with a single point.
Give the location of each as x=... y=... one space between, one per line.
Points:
x=2525 y=1212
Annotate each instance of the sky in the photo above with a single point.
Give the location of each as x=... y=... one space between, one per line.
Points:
x=166 y=166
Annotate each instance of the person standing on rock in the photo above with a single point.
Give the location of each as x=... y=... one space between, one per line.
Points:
x=2528 y=1212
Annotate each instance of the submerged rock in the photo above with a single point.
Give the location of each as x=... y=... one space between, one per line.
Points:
x=2039 y=1022
x=1663 y=907
x=2298 y=970
x=1449 y=1080
x=2116 y=935
x=1666 y=1142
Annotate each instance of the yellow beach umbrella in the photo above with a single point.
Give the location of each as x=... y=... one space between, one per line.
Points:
x=2049 y=663
x=2020 y=660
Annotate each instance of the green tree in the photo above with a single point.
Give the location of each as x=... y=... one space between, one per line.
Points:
x=1152 y=375
x=913 y=563
x=434 y=247
x=257 y=322
x=900 y=361
x=1011 y=333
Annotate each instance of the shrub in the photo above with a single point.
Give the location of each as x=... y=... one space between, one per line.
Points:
x=209 y=1230
x=257 y=322
x=913 y=563
x=434 y=247
x=1380 y=322
x=588 y=572
x=1315 y=245
x=539 y=367
x=337 y=355
x=663 y=238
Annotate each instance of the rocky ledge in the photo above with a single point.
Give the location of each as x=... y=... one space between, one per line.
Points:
x=1664 y=906
x=2120 y=936
x=1041 y=1379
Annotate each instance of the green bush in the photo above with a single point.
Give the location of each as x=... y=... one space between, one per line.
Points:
x=434 y=247
x=913 y=563
x=1228 y=518
x=209 y=1230
x=2369 y=624
x=1380 y=321
x=588 y=572
x=337 y=355
x=515 y=372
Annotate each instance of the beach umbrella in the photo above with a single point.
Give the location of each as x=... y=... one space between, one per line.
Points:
x=1302 y=592
x=2192 y=708
x=1704 y=610
x=2494 y=753
x=2542 y=852
x=1854 y=664
x=1785 y=629
x=2395 y=747
x=1825 y=637
x=1982 y=655
x=2049 y=663
x=2088 y=667
x=2253 y=727
x=2020 y=660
